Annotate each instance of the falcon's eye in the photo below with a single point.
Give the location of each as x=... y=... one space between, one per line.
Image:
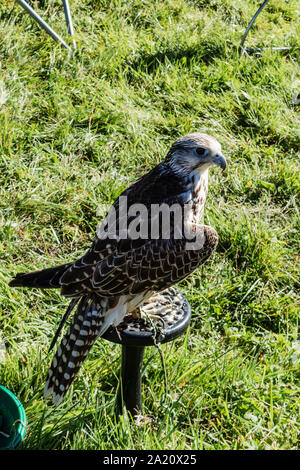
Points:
x=201 y=151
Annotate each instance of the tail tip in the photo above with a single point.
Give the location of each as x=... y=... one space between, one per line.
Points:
x=57 y=398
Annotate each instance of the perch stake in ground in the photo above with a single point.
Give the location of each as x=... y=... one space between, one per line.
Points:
x=173 y=316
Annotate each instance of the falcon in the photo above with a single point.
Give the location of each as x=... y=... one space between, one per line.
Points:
x=132 y=256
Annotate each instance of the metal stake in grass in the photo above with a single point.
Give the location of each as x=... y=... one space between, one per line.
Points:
x=133 y=334
x=45 y=25
x=251 y=23
x=69 y=20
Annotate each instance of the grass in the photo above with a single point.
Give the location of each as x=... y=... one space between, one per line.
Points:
x=75 y=131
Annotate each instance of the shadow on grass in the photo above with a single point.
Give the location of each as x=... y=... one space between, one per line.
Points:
x=204 y=51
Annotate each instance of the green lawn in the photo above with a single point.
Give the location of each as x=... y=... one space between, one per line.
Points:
x=78 y=129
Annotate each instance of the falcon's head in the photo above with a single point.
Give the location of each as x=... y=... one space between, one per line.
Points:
x=195 y=152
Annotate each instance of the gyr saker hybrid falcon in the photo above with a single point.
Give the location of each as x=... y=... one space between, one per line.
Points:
x=122 y=270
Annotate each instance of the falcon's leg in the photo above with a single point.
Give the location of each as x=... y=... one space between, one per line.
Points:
x=140 y=314
x=136 y=313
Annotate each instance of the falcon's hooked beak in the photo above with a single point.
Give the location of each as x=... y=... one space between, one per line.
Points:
x=219 y=160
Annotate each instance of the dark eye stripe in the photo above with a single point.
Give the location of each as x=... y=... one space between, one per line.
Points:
x=201 y=151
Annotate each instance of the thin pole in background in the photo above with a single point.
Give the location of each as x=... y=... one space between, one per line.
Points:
x=251 y=23
x=43 y=23
x=69 y=20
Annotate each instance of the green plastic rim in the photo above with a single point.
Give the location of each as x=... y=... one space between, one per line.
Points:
x=13 y=420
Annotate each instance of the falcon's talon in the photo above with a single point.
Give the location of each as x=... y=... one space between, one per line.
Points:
x=139 y=314
x=148 y=317
x=136 y=313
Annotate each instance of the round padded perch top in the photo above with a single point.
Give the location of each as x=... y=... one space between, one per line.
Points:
x=169 y=306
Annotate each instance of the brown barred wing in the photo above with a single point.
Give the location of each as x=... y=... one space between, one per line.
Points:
x=151 y=265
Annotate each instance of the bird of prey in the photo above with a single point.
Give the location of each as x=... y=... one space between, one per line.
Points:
x=121 y=271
